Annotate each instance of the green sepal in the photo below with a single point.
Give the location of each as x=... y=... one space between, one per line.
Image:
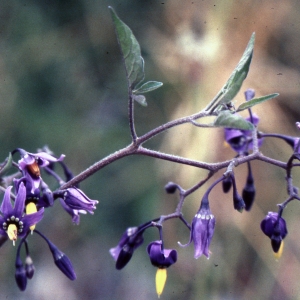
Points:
x=147 y=87
x=231 y=120
x=131 y=51
x=256 y=101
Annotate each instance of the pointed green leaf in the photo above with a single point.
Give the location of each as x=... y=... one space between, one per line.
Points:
x=148 y=87
x=232 y=120
x=256 y=101
x=140 y=99
x=131 y=51
x=6 y=164
x=235 y=81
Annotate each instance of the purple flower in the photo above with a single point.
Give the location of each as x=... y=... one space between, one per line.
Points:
x=274 y=227
x=202 y=231
x=31 y=161
x=241 y=140
x=161 y=258
x=30 y=164
x=13 y=221
x=131 y=239
x=76 y=199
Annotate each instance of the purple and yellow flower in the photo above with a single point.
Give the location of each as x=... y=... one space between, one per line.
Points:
x=13 y=221
x=162 y=259
x=30 y=164
x=274 y=226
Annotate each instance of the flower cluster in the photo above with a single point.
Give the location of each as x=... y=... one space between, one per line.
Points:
x=20 y=214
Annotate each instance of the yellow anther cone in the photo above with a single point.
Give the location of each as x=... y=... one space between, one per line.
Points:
x=278 y=254
x=160 y=280
x=12 y=232
x=30 y=209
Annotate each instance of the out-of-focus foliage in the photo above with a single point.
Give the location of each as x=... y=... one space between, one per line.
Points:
x=62 y=83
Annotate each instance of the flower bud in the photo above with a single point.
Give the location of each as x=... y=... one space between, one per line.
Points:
x=20 y=274
x=171 y=187
x=226 y=184
x=62 y=261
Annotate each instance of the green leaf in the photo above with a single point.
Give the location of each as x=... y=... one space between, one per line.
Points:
x=256 y=101
x=235 y=81
x=131 y=51
x=148 y=87
x=232 y=120
x=140 y=99
x=6 y=164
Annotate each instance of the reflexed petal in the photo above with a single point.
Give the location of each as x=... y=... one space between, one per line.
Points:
x=45 y=158
x=161 y=258
x=26 y=159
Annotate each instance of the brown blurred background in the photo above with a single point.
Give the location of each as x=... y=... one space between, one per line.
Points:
x=62 y=83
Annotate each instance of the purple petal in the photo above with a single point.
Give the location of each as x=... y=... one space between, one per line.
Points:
x=45 y=157
x=27 y=159
x=114 y=252
x=20 y=200
x=32 y=219
x=6 y=206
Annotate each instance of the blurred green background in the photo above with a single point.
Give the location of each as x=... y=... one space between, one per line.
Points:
x=62 y=84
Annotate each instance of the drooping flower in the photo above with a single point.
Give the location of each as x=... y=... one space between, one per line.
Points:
x=131 y=239
x=162 y=259
x=13 y=221
x=159 y=257
x=76 y=199
x=274 y=226
x=202 y=230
